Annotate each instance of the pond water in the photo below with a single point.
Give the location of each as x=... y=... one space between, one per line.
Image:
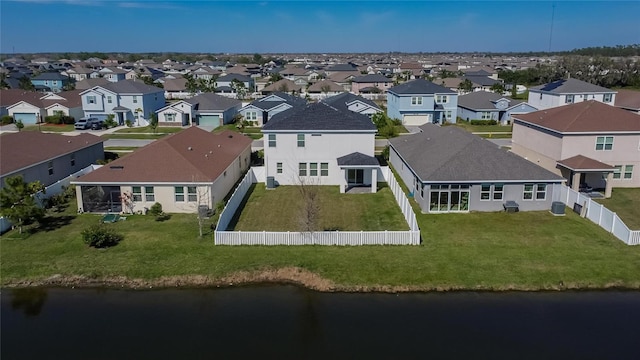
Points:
x=287 y=322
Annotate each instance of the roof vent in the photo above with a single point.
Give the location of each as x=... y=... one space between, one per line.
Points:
x=190 y=148
x=230 y=136
x=218 y=145
x=116 y=167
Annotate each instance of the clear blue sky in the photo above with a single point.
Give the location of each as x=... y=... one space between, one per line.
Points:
x=313 y=26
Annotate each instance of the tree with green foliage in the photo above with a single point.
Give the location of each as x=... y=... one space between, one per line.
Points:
x=18 y=204
x=26 y=84
x=19 y=125
x=257 y=58
x=110 y=121
x=3 y=81
x=191 y=84
x=239 y=87
x=466 y=85
x=497 y=88
x=101 y=236
x=153 y=121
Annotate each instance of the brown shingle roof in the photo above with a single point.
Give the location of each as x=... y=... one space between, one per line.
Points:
x=587 y=116
x=190 y=155
x=13 y=96
x=26 y=148
x=580 y=162
x=628 y=99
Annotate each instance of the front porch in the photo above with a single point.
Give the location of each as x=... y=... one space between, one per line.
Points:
x=585 y=174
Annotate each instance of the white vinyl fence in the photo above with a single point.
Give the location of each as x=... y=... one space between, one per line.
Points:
x=222 y=237
x=53 y=189
x=597 y=213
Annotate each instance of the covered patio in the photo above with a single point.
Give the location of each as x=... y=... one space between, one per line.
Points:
x=359 y=171
x=585 y=174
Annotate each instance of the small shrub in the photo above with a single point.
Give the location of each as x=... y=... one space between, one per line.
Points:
x=128 y=123
x=101 y=236
x=52 y=119
x=67 y=120
x=6 y=120
x=483 y=122
x=19 y=125
x=155 y=210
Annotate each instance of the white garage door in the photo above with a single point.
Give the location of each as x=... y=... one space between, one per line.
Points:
x=416 y=120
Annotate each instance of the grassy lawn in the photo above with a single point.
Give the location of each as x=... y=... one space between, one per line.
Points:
x=121 y=148
x=626 y=203
x=134 y=136
x=146 y=129
x=50 y=127
x=481 y=128
x=527 y=250
x=345 y=212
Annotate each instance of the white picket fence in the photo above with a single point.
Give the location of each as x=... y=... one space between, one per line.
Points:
x=53 y=189
x=597 y=213
x=341 y=238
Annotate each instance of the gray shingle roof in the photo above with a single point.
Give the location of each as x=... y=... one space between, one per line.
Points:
x=231 y=77
x=51 y=76
x=483 y=100
x=340 y=101
x=131 y=87
x=357 y=159
x=372 y=78
x=570 y=86
x=454 y=155
x=420 y=86
x=211 y=101
x=317 y=117
x=481 y=80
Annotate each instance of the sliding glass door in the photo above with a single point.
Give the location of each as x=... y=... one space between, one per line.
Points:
x=449 y=198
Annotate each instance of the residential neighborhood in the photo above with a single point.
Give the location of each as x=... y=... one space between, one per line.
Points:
x=319 y=179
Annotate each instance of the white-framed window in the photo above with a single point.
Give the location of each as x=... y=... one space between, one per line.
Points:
x=324 y=169
x=178 y=193
x=50 y=167
x=149 y=194
x=485 y=192
x=541 y=191
x=192 y=195
x=416 y=100
x=109 y=100
x=498 y=191
x=568 y=99
x=272 y=140
x=252 y=115
x=302 y=169
x=617 y=172
x=300 y=140
x=135 y=99
x=604 y=143
x=313 y=169
x=279 y=168
x=136 y=193
x=485 y=115
x=628 y=172
x=170 y=117
x=442 y=99
x=607 y=97
x=447 y=114
x=91 y=99
x=528 y=192
x=73 y=159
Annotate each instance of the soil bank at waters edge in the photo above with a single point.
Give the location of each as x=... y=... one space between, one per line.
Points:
x=286 y=275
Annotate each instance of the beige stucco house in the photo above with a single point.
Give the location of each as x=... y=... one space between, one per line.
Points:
x=184 y=172
x=591 y=144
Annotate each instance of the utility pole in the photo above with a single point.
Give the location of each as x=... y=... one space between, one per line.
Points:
x=553 y=12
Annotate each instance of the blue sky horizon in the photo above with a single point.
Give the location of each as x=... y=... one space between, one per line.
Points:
x=314 y=26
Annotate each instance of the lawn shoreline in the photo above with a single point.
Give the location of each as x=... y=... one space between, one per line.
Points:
x=285 y=276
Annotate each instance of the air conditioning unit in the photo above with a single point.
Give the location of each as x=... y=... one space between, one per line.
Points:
x=557 y=208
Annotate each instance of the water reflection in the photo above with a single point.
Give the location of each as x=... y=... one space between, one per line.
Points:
x=287 y=322
x=30 y=300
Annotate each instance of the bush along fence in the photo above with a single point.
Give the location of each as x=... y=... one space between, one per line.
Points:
x=597 y=213
x=53 y=189
x=223 y=237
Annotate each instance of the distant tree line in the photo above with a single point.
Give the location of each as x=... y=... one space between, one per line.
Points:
x=598 y=70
